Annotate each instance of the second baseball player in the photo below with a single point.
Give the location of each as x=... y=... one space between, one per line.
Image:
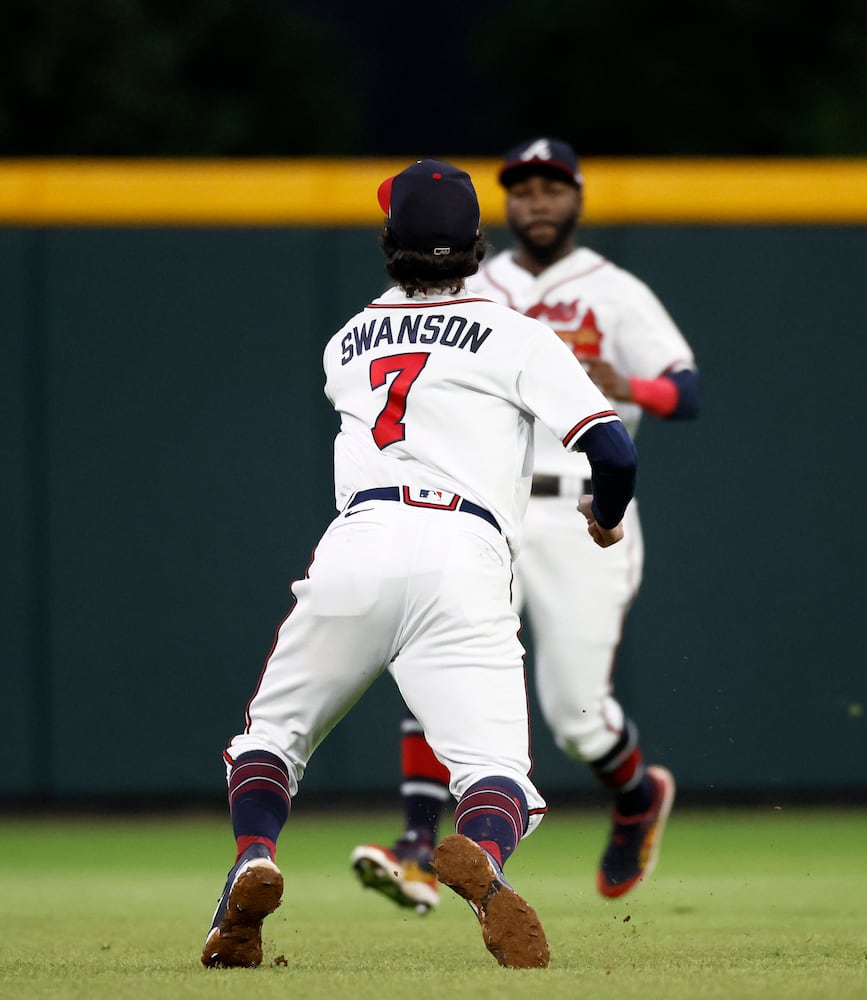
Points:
x=575 y=595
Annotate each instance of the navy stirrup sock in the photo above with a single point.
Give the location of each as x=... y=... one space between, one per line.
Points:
x=259 y=800
x=622 y=770
x=493 y=813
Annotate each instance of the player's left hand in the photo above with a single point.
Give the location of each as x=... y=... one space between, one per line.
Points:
x=602 y=536
x=608 y=379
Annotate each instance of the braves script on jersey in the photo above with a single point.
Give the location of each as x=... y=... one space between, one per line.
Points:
x=598 y=310
x=442 y=393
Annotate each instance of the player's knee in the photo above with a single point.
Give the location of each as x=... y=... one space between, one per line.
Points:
x=590 y=734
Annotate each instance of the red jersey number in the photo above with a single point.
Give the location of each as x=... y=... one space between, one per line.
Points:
x=389 y=424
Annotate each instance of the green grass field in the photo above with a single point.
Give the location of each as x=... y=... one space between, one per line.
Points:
x=744 y=903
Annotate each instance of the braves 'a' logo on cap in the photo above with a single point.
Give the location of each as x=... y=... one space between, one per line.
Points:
x=543 y=155
x=538 y=150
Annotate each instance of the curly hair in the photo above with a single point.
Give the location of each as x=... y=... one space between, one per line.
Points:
x=420 y=271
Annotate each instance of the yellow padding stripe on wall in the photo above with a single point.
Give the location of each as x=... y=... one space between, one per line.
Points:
x=342 y=192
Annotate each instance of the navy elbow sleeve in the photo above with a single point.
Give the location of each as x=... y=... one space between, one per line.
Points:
x=614 y=465
x=687 y=384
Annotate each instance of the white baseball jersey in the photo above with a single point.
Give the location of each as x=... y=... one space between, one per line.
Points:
x=437 y=396
x=441 y=393
x=576 y=594
x=598 y=310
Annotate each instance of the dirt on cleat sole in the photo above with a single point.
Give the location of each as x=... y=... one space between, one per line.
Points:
x=511 y=929
x=237 y=941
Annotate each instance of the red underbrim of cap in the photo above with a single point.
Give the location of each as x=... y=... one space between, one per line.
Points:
x=383 y=195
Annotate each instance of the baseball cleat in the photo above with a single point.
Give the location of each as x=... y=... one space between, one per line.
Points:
x=633 y=845
x=254 y=888
x=407 y=880
x=510 y=928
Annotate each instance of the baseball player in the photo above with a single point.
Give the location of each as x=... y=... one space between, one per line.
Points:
x=575 y=595
x=438 y=393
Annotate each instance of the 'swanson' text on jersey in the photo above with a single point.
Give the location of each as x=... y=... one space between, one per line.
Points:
x=454 y=331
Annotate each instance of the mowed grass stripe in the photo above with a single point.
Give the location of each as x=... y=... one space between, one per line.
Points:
x=744 y=903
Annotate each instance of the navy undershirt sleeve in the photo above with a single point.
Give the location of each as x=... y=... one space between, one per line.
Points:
x=614 y=465
x=686 y=381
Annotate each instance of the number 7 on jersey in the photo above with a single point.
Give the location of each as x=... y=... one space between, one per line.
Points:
x=389 y=424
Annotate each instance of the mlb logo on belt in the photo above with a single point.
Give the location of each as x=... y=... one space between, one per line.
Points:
x=423 y=497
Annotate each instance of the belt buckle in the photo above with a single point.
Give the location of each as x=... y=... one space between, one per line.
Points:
x=416 y=496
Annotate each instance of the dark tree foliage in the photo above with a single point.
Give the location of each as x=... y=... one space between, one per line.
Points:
x=717 y=77
x=172 y=78
x=334 y=77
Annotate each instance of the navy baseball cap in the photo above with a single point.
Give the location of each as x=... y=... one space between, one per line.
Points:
x=546 y=156
x=431 y=206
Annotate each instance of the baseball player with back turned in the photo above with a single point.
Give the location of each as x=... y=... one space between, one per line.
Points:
x=438 y=393
x=576 y=596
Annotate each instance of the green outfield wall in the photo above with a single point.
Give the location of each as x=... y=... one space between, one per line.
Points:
x=167 y=470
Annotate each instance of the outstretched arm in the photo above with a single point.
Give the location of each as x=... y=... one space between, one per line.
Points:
x=613 y=463
x=674 y=395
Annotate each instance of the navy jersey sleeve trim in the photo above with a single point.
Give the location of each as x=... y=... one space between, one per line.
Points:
x=575 y=432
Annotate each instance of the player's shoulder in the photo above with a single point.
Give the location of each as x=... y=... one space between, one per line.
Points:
x=604 y=270
x=612 y=284
x=516 y=332
x=395 y=301
x=504 y=260
x=497 y=314
x=583 y=265
x=522 y=333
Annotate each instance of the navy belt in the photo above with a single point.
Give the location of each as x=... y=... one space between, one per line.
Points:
x=394 y=493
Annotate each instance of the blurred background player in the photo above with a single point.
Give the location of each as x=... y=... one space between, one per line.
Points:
x=575 y=595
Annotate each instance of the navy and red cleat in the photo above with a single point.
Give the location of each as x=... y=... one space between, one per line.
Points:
x=634 y=842
x=403 y=874
x=254 y=889
x=511 y=929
